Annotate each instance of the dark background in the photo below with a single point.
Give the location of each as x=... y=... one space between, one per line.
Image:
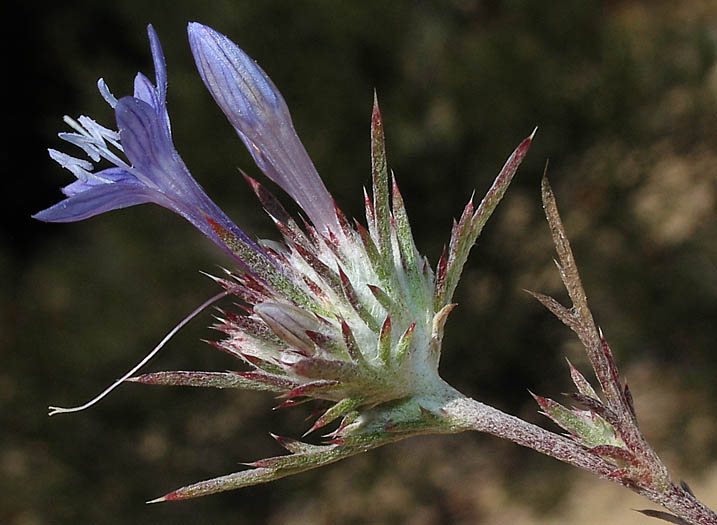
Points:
x=625 y=94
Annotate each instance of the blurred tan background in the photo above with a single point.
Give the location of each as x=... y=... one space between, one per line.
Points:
x=625 y=95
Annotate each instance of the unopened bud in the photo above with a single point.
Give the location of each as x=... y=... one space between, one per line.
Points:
x=289 y=323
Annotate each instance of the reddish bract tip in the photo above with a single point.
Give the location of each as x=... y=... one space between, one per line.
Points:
x=376 y=119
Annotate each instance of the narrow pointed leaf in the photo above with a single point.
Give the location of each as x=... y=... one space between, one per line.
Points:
x=565 y=418
x=374 y=257
x=273 y=382
x=612 y=452
x=596 y=407
x=327 y=343
x=314 y=388
x=339 y=409
x=558 y=310
x=484 y=211
x=386 y=301
x=405 y=343
x=440 y=287
x=379 y=177
x=352 y=346
x=407 y=247
x=581 y=383
x=297 y=447
x=205 y=379
x=264 y=268
x=268 y=201
x=300 y=463
x=331 y=369
x=370 y=214
x=664 y=516
x=358 y=306
x=630 y=403
x=384 y=341
x=327 y=275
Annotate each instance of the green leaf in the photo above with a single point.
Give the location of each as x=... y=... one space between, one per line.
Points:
x=465 y=237
x=379 y=177
x=265 y=269
x=404 y=344
x=408 y=251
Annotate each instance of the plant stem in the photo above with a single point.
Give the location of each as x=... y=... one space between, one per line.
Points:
x=470 y=414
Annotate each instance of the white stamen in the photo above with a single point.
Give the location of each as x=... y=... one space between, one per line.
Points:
x=98 y=131
x=60 y=410
x=106 y=93
x=69 y=162
x=75 y=125
x=93 y=139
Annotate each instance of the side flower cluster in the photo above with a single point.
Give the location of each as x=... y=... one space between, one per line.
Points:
x=606 y=426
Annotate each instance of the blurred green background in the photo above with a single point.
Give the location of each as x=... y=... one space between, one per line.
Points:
x=625 y=95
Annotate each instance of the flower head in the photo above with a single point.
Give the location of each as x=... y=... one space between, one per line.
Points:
x=338 y=311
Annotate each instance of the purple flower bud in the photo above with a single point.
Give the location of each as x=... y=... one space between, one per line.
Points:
x=259 y=114
x=290 y=324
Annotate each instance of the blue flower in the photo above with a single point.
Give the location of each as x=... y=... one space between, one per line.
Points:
x=154 y=172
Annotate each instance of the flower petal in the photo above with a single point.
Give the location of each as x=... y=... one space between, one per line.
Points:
x=98 y=199
x=145 y=91
x=108 y=176
x=149 y=148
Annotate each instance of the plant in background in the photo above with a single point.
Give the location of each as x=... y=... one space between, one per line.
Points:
x=339 y=312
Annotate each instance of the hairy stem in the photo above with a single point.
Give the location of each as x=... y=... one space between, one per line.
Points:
x=469 y=414
x=474 y=415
